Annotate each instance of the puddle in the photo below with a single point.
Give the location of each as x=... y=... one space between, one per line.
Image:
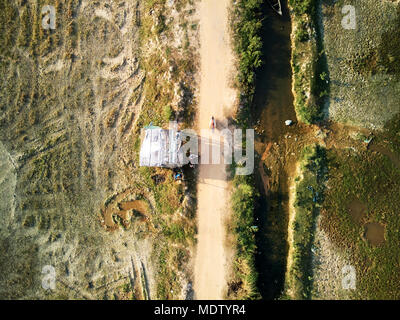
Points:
x=137 y=205
x=120 y=210
x=375 y=233
x=357 y=211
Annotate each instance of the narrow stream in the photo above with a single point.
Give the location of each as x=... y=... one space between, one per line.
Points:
x=274 y=105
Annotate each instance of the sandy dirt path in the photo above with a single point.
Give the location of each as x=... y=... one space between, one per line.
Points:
x=216 y=99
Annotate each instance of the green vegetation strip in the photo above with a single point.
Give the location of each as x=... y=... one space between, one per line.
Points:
x=309 y=195
x=310 y=74
x=243 y=200
x=246 y=26
x=246 y=21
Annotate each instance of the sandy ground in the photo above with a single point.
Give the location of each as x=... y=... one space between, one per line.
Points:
x=216 y=99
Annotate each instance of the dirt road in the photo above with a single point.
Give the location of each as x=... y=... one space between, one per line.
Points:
x=216 y=99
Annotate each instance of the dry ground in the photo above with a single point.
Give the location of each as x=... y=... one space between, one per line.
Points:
x=71 y=100
x=362 y=63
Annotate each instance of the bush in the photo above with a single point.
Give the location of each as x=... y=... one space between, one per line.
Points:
x=301 y=32
x=303 y=7
x=169 y=113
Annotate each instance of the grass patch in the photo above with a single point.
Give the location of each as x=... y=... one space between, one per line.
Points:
x=170 y=259
x=391 y=134
x=165 y=67
x=51 y=78
x=389 y=50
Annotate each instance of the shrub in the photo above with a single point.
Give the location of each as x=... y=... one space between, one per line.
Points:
x=169 y=113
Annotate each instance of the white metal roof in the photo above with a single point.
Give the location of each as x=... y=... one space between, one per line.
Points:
x=161 y=148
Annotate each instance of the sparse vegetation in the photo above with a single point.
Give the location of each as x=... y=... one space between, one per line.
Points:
x=170 y=261
x=364 y=82
x=69 y=100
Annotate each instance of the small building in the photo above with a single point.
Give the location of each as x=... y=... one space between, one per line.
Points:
x=161 y=148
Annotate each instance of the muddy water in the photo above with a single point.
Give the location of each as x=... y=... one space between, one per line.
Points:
x=138 y=205
x=274 y=99
x=375 y=233
x=274 y=105
x=358 y=211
